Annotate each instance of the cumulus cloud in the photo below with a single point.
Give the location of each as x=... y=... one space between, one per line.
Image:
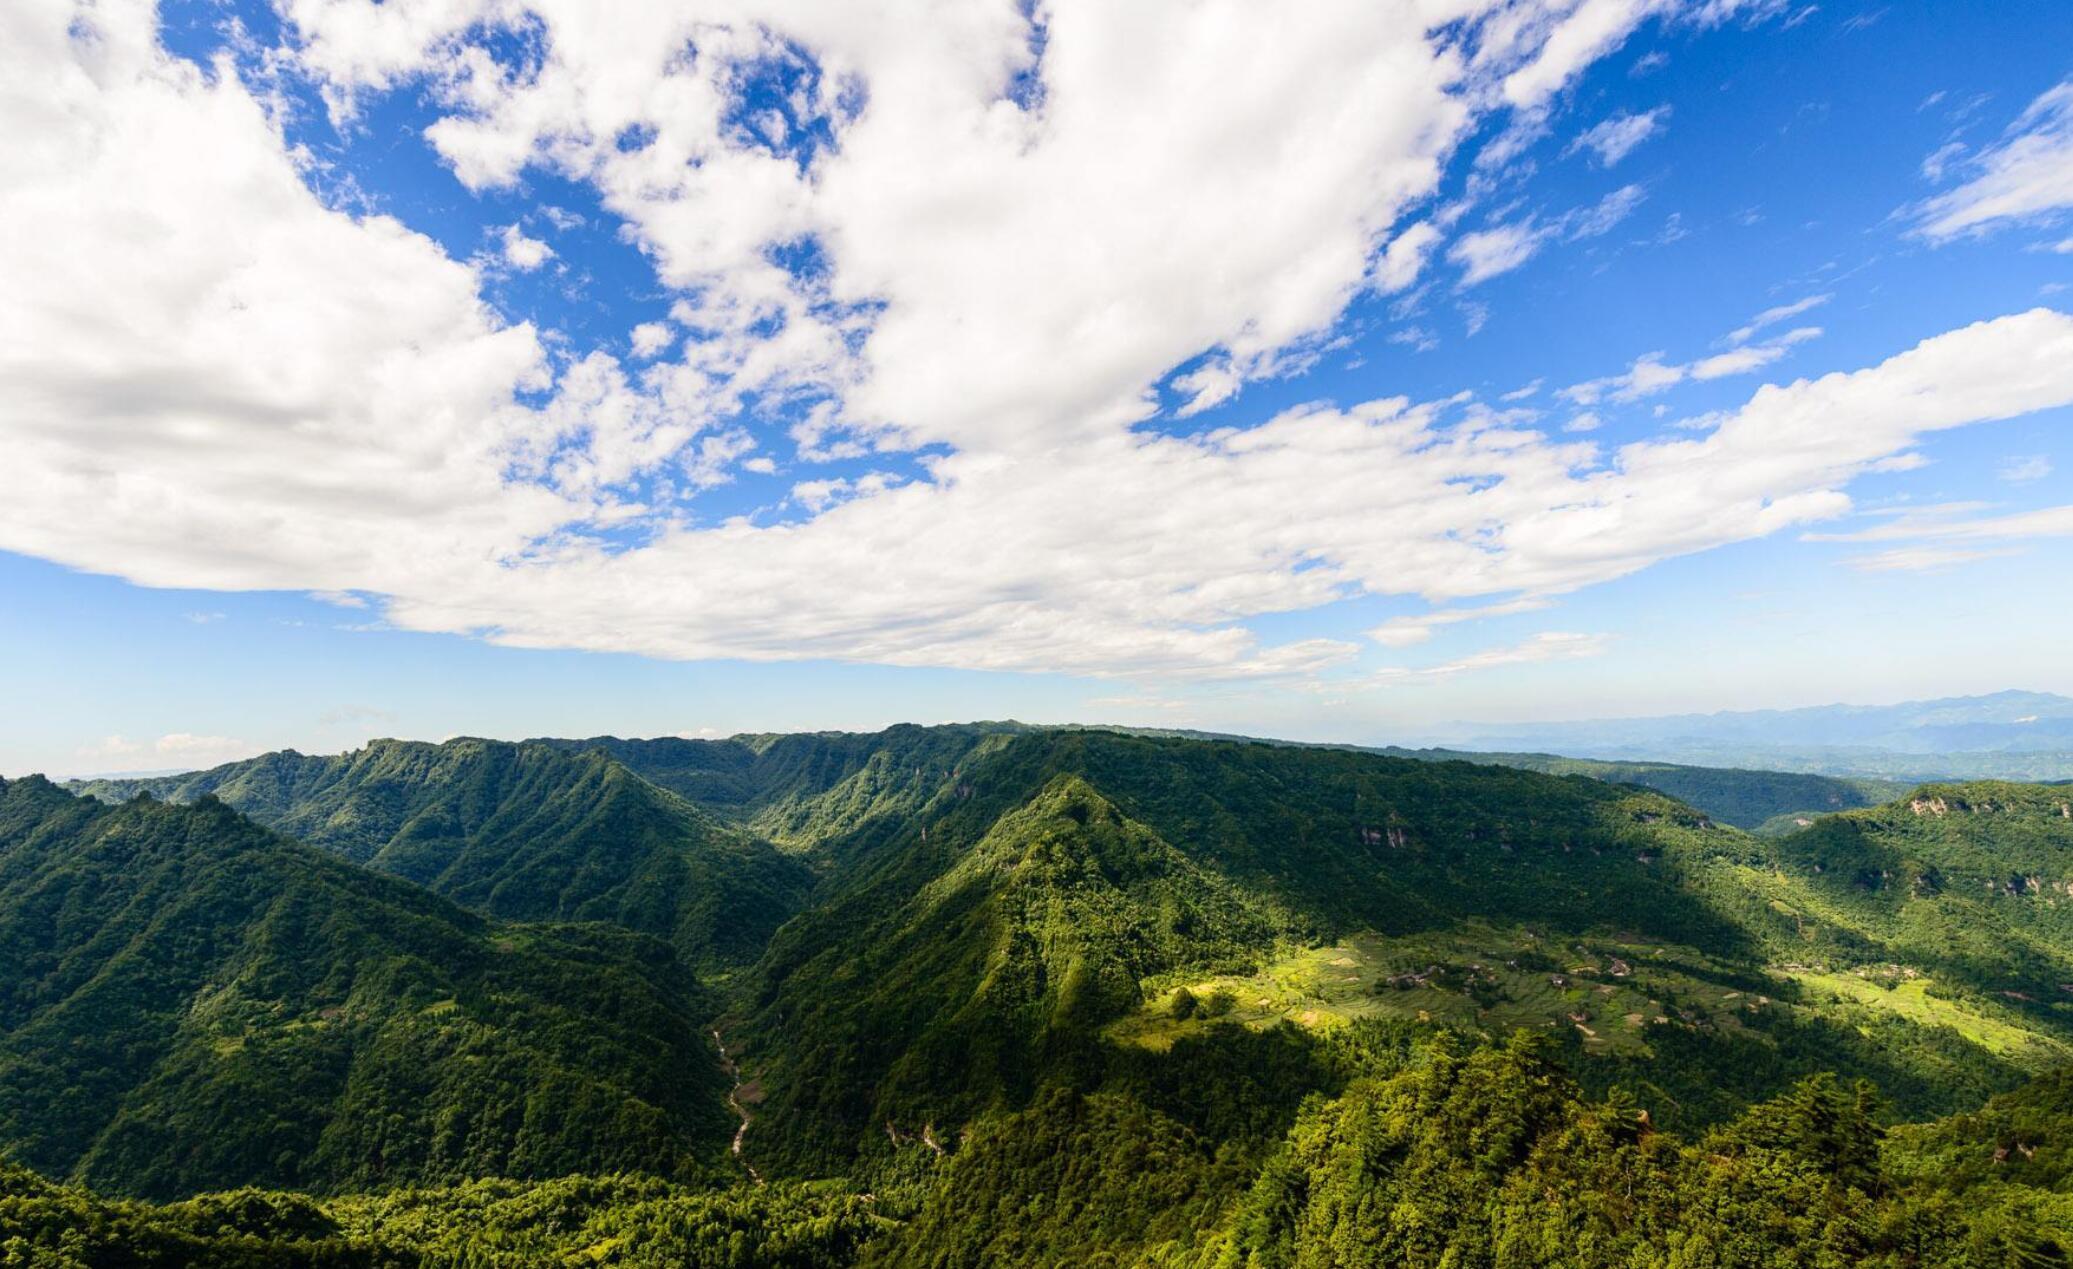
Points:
x=650 y=339
x=1398 y=267
x=2027 y=175
x=1014 y=243
x=521 y=252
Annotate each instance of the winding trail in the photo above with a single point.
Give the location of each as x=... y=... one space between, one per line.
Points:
x=734 y=1100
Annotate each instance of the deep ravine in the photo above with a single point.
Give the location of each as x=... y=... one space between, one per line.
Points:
x=734 y=1099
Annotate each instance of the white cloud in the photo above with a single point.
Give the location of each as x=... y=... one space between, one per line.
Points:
x=522 y=253
x=1609 y=211
x=1210 y=384
x=651 y=339
x=1587 y=32
x=1951 y=523
x=2027 y=175
x=2023 y=468
x=188 y=749
x=1616 y=136
x=1551 y=645
x=1487 y=253
x=1650 y=374
x=1919 y=559
x=1008 y=284
x=1405 y=632
x=1398 y=266
x=1940 y=159
x=1772 y=316
x=176 y=749
x=1942 y=537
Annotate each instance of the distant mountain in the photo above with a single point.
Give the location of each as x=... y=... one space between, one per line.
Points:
x=1757 y=800
x=192 y=1002
x=2011 y=735
x=523 y=831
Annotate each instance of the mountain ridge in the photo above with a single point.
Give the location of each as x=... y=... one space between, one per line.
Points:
x=196 y=1002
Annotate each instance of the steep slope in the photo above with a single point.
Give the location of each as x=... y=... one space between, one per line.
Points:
x=194 y=1002
x=803 y=788
x=1752 y=800
x=1970 y=882
x=982 y=947
x=1490 y=1157
x=1662 y=950
x=527 y=832
x=955 y=996
x=1746 y=798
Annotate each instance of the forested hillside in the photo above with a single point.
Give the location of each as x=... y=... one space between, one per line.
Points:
x=1773 y=802
x=1427 y=1155
x=192 y=1002
x=528 y=832
x=1067 y=995
x=1758 y=800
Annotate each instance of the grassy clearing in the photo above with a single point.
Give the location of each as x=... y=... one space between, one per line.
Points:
x=1476 y=978
x=1610 y=993
x=1911 y=998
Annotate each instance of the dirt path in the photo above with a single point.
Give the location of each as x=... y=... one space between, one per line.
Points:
x=734 y=1100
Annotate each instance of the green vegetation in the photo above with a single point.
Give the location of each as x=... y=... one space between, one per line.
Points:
x=1002 y=995
x=1762 y=801
x=194 y=1003
x=1426 y=1155
x=1768 y=802
x=524 y=832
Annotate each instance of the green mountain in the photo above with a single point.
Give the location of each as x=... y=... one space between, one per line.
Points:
x=1767 y=801
x=801 y=789
x=1001 y=937
x=1058 y=995
x=193 y=1002
x=525 y=832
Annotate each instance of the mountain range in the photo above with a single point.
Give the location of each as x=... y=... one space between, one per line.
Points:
x=994 y=994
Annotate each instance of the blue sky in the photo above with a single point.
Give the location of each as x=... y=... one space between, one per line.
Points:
x=375 y=376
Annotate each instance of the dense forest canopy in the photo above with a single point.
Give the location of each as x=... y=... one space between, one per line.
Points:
x=1006 y=995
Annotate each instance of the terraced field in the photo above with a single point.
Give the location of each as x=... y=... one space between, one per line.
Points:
x=1610 y=993
x=1477 y=978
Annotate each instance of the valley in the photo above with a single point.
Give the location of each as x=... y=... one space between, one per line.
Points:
x=884 y=968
